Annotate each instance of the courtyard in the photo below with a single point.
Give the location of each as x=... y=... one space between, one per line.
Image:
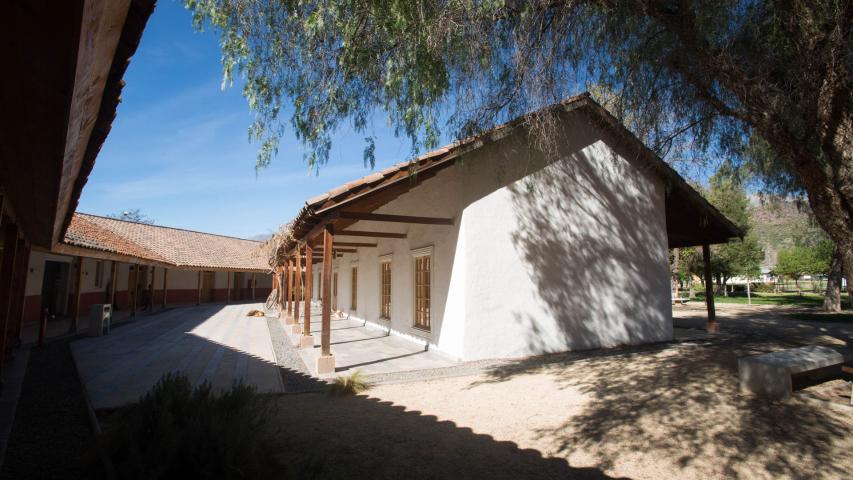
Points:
x=669 y=410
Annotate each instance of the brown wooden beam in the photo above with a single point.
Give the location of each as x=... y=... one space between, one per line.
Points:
x=290 y=287
x=354 y=244
x=75 y=317
x=227 y=287
x=365 y=233
x=150 y=305
x=134 y=290
x=381 y=217
x=709 y=289
x=198 y=300
x=165 y=286
x=113 y=280
x=298 y=289
x=253 y=287
x=339 y=250
x=326 y=333
x=19 y=287
x=7 y=265
x=309 y=288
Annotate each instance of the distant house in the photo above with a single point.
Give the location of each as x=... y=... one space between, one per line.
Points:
x=488 y=248
x=137 y=266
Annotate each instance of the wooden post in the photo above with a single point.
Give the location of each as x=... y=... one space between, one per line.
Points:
x=150 y=305
x=227 y=287
x=75 y=318
x=709 y=290
x=306 y=328
x=165 y=286
x=253 y=287
x=134 y=289
x=297 y=293
x=326 y=333
x=19 y=290
x=290 y=288
x=198 y=300
x=113 y=281
x=7 y=265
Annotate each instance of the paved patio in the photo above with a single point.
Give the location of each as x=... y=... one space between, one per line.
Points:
x=214 y=343
x=358 y=345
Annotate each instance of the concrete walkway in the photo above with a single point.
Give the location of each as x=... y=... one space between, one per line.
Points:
x=357 y=345
x=218 y=344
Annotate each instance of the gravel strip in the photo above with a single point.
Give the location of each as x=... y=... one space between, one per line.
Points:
x=51 y=436
x=295 y=377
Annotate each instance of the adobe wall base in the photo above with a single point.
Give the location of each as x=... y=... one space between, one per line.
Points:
x=325 y=365
x=306 y=341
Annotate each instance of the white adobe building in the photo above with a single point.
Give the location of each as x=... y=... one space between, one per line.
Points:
x=488 y=248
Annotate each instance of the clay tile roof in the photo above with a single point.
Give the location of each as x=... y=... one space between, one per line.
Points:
x=173 y=246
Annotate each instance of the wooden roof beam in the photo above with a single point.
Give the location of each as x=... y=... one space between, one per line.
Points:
x=364 y=233
x=381 y=217
x=353 y=244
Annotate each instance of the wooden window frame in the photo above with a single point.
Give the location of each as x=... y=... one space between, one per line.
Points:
x=417 y=254
x=353 y=300
x=384 y=313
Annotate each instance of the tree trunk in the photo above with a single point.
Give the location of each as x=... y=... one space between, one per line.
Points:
x=675 y=261
x=797 y=284
x=748 y=293
x=832 y=300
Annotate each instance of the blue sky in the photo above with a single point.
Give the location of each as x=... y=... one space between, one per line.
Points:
x=179 y=149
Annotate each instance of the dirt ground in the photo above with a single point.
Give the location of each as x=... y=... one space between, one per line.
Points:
x=657 y=411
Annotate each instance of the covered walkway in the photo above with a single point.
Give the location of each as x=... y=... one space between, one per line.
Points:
x=371 y=349
x=218 y=344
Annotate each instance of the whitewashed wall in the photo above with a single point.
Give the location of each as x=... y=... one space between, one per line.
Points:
x=542 y=257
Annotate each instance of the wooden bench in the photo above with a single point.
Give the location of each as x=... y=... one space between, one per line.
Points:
x=769 y=375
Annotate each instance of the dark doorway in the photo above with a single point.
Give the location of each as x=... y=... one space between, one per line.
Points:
x=54 y=287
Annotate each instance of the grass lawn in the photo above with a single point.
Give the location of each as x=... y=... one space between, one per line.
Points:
x=789 y=299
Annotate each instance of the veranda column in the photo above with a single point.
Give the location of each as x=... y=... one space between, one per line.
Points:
x=150 y=305
x=134 y=286
x=253 y=287
x=227 y=287
x=326 y=362
x=279 y=277
x=165 y=286
x=113 y=281
x=709 y=290
x=75 y=318
x=297 y=291
x=198 y=299
x=10 y=244
x=307 y=340
x=19 y=294
x=289 y=318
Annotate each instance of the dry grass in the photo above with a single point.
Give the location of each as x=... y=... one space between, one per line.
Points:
x=352 y=384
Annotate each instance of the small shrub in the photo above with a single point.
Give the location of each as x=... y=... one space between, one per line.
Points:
x=350 y=385
x=177 y=431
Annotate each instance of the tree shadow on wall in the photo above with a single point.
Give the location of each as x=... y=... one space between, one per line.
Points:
x=591 y=231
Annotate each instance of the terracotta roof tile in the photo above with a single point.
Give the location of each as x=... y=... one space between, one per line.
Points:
x=174 y=246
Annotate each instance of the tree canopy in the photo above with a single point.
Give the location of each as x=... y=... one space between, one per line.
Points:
x=132 y=215
x=767 y=83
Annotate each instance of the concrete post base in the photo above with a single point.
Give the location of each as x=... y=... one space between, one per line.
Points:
x=295 y=329
x=325 y=364
x=288 y=319
x=713 y=327
x=306 y=341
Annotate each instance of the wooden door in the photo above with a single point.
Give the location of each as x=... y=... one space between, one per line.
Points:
x=207 y=285
x=238 y=286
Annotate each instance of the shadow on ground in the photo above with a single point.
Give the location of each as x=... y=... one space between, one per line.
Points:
x=680 y=404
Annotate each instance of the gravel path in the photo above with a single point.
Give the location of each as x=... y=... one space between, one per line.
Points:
x=51 y=435
x=295 y=377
